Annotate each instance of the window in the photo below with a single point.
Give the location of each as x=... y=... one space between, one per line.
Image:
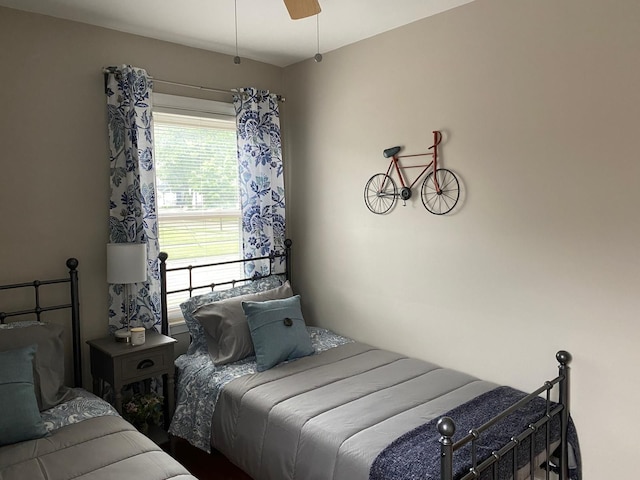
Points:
x=199 y=216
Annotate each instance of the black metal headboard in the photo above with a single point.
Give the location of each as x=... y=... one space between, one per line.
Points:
x=191 y=287
x=38 y=310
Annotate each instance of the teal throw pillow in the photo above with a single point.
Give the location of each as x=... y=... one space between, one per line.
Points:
x=17 y=395
x=278 y=331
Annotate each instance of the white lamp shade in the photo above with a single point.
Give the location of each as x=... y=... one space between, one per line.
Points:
x=126 y=263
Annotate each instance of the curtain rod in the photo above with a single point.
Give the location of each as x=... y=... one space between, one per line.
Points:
x=108 y=70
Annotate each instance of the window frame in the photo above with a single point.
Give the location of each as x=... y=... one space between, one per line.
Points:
x=192 y=107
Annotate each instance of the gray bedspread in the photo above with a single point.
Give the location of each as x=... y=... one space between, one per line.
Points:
x=328 y=416
x=101 y=448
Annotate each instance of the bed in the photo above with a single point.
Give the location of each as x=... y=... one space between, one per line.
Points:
x=328 y=407
x=49 y=430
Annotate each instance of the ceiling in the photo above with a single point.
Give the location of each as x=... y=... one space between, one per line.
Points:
x=265 y=31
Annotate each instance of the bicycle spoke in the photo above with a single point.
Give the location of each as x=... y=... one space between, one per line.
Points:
x=380 y=193
x=442 y=184
x=444 y=200
x=443 y=179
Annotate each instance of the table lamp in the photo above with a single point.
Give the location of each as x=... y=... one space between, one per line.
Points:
x=126 y=264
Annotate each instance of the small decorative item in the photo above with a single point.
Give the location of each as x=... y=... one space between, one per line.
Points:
x=440 y=189
x=142 y=410
x=137 y=336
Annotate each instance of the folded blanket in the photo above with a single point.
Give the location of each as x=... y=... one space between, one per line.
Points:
x=416 y=454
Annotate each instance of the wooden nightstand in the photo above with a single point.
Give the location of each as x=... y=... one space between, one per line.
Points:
x=120 y=364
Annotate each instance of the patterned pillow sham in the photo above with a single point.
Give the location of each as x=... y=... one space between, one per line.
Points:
x=198 y=336
x=81 y=405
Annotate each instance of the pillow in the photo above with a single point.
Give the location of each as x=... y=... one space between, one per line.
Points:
x=226 y=328
x=198 y=338
x=278 y=331
x=20 y=419
x=48 y=367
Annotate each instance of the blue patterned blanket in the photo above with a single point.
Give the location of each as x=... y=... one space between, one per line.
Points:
x=416 y=454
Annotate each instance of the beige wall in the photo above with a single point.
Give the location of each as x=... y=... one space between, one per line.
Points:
x=54 y=176
x=539 y=102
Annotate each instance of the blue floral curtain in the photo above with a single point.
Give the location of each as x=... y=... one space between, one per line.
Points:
x=132 y=208
x=261 y=175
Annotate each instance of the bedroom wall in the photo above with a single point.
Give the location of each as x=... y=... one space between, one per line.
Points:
x=538 y=101
x=54 y=180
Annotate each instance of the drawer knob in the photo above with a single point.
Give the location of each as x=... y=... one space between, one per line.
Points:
x=148 y=363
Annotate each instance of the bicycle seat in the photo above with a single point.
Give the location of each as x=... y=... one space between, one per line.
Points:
x=390 y=152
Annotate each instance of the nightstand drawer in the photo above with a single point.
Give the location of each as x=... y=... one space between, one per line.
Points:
x=144 y=365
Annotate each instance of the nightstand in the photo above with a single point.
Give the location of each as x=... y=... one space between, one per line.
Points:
x=120 y=364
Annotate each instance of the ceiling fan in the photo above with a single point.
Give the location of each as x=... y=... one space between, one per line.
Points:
x=302 y=8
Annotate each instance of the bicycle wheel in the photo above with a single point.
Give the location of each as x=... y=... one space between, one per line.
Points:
x=441 y=202
x=380 y=193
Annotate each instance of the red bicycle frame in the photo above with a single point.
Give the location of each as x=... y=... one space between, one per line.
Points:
x=437 y=138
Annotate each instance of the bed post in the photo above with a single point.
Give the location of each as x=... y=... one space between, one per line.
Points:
x=447 y=428
x=287 y=251
x=564 y=358
x=163 y=293
x=72 y=264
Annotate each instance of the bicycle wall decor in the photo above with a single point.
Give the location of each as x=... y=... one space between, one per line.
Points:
x=439 y=192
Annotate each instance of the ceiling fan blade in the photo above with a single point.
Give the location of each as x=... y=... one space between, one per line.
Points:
x=302 y=8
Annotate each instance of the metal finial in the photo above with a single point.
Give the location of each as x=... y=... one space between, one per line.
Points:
x=72 y=263
x=563 y=357
x=446 y=427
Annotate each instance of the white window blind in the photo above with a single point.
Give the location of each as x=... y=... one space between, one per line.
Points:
x=199 y=217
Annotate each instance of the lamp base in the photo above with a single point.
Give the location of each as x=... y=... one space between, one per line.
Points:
x=123 y=336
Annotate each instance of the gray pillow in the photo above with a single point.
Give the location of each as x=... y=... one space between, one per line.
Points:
x=20 y=419
x=226 y=328
x=48 y=365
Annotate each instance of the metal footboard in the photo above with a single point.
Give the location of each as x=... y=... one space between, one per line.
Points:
x=447 y=428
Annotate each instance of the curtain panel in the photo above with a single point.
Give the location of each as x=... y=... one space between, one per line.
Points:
x=132 y=207
x=261 y=175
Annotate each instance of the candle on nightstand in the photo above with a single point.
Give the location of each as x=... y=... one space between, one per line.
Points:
x=137 y=336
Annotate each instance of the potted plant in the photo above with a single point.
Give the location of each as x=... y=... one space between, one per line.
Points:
x=143 y=409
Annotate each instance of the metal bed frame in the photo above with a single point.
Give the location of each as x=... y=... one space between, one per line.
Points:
x=190 y=268
x=38 y=310
x=446 y=426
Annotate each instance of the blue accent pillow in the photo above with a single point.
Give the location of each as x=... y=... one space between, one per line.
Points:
x=17 y=395
x=278 y=331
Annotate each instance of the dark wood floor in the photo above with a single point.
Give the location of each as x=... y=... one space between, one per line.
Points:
x=202 y=465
